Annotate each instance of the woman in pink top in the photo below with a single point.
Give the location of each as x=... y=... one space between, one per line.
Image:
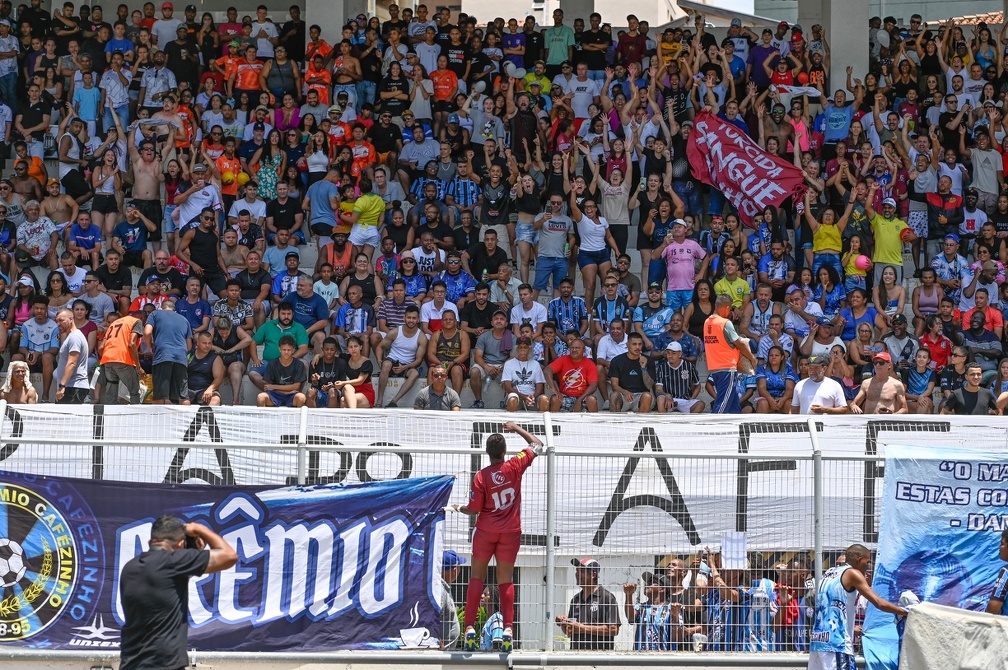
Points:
x=680 y=255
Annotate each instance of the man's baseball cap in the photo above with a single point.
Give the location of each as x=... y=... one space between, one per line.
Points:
x=565 y=63
x=52 y=180
x=343 y=94
x=450 y=559
x=586 y=564
x=153 y=279
x=199 y=167
x=167 y=5
x=335 y=109
x=817 y=359
x=454 y=118
x=292 y=254
x=736 y=23
x=796 y=37
x=498 y=311
x=882 y=356
x=783 y=24
x=952 y=237
x=654 y=284
x=535 y=82
x=899 y=318
x=263 y=108
x=259 y=126
x=889 y=201
x=130 y=204
x=652 y=579
x=679 y=222
x=674 y=346
x=5 y=22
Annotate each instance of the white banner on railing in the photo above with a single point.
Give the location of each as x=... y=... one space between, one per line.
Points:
x=663 y=484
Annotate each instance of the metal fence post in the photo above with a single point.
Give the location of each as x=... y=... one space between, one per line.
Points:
x=3 y=417
x=551 y=476
x=817 y=498
x=302 y=448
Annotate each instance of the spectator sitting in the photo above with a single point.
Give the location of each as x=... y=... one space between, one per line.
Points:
x=269 y=335
x=493 y=348
x=573 y=380
x=17 y=388
x=310 y=310
x=677 y=383
x=205 y=372
x=437 y=395
x=523 y=380
x=405 y=347
x=356 y=317
x=283 y=377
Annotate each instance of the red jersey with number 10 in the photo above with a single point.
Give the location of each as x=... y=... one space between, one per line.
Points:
x=496 y=494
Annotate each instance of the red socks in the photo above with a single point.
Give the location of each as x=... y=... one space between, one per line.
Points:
x=507 y=601
x=474 y=593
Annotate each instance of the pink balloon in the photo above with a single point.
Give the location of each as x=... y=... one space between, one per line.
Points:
x=862 y=262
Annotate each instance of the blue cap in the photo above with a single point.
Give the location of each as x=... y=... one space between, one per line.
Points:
x=452 y=560
x=952 y=237
x=454 y=118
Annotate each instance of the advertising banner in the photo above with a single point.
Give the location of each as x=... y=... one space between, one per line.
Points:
x=320 y=568
x=943 y=511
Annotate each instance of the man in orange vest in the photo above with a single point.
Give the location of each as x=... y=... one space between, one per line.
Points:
x=724 y=348
x=120 y=360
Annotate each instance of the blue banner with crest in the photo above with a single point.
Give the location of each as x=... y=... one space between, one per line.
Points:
x=320 y=568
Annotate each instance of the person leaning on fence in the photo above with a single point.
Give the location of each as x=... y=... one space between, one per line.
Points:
x=495 y=501
x=998 y=602
x=724 y=350
x=450 y=628
x=655 y=618
x=155 y=592
x=592 y=621
x=120 y=360
x=832 y=639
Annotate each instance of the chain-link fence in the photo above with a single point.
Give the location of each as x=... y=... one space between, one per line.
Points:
x=660 y=505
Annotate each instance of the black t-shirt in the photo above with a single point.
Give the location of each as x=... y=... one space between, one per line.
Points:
x=155 y=600
x=173 y=277
x=384 y=139
x=251 y=283
x=392 y=105
x=327 y=372
x=533 y=47
x=458 y=57
x=595 y=60
x=971 y=403
x=597 y=609
x=283 y=213
x=282 y=375
x=630 y=374
x=31 y=115
x=475 y=317
x=114 y=281
x=480 y=259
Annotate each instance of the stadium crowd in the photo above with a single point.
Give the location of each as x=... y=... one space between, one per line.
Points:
x=474 y=193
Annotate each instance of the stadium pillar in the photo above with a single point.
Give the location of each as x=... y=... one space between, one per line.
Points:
x=575 y=9
x=332 y=16
x=846 y=25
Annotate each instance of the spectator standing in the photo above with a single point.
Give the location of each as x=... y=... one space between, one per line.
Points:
x=592 y=621
x=74 y=387
x=169 y=336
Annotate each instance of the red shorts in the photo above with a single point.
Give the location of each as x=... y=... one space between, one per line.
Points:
x=504 y=546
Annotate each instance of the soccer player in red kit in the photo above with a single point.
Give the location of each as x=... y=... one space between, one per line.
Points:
x=495 y=501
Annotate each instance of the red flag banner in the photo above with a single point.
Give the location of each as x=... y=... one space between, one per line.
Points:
x=725 y=158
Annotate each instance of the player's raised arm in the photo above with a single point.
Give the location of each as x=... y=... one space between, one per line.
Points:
x=537 y=445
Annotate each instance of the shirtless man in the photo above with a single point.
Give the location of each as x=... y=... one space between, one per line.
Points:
x=346 y=72
x=24 y=184
x=59 y=207
x=776 y=124
x=147 y=176
x=18 y=389
x=882 y=393
x=233 y=253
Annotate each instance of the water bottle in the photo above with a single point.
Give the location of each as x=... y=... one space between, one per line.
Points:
x=566 y=249
x=485 y=275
